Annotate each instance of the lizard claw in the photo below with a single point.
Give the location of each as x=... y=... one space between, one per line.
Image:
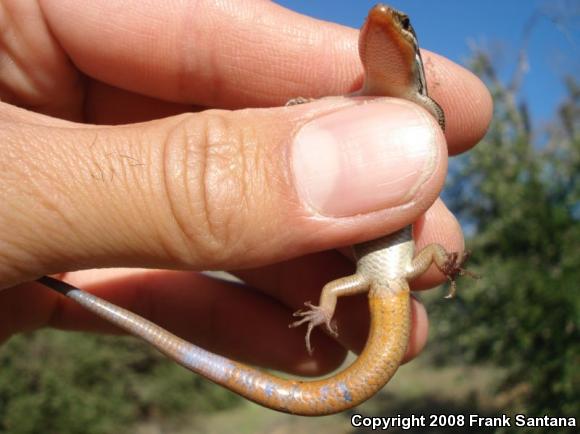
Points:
x=313 y=316
x=452 y=268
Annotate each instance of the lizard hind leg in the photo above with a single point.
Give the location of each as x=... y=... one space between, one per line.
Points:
x=450 y=264
x=453 y=267
x=322 y=314
x=313 y=316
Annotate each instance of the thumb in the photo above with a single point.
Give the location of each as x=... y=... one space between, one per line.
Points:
x=212 y=190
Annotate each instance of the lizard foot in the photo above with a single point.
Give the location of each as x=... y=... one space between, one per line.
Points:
x=299 y=100
x=452 y=268
x=314 y=316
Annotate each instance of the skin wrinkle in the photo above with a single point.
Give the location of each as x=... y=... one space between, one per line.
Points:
x=203 y=200
x=213 y=244
x=213 y=71
x=244 y=160
x=139 y=176
x=165 y=242
x=176 y=139
x=190 y=37
x=232 y=178
x=271 y=175
x=232 y=155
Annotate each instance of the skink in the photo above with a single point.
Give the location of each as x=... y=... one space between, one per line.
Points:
x=393 y=67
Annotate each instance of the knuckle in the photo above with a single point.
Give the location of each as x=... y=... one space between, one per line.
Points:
x=207 y=181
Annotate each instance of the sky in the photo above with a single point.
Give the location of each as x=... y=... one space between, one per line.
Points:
x=450 y=27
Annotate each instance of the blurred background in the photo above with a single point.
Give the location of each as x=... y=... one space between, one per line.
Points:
x=509 y=343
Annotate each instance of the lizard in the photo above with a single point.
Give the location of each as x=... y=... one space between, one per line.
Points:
x=393 y=67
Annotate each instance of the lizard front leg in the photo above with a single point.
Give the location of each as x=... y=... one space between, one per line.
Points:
x=323 y=313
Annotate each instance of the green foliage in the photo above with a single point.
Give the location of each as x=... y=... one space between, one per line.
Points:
x=520 y=199
x=54 y=382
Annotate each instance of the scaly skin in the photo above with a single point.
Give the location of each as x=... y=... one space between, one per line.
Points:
x=393 y=67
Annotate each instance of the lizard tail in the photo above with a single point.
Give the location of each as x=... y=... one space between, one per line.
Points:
x=382 y=355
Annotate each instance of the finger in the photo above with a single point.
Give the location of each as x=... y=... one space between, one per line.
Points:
x=207 y=52
x=214 y=190
x=213 y=54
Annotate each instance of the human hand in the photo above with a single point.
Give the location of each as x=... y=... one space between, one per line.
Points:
x=239 y=190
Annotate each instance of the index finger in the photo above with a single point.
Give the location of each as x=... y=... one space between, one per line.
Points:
x=236 y=54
